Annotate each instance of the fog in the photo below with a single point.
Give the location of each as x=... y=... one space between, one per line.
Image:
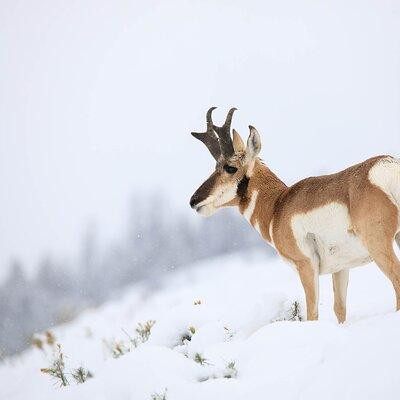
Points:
x=97 y=100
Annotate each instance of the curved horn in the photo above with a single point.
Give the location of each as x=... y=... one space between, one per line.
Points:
x=208 y=137
x=224 y=135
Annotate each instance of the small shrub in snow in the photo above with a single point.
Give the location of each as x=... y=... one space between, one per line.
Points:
x=230 y=370
x=50 y=338
x=192 y=330
x=134 y=342
x=295 y=312
x=197 y=302
x=117 y=348
x=43 y=340
x=227 y=372
x=144 y=330
x=200 y=359
x=187 y=336
x=159 y=396
x=81 y=375
x=57 y=368
x=37 y=342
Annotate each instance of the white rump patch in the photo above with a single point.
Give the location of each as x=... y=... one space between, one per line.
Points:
x=386 y=175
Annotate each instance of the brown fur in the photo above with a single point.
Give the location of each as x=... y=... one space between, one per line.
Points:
x=376 y=226
x=276 y=205
x=242 y=180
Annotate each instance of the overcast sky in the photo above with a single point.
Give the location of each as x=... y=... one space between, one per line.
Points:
x=97 y=99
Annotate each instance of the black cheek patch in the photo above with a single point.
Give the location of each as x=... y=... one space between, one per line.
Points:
x=242 y=187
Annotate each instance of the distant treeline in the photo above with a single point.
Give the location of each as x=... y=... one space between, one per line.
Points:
x=156 y=241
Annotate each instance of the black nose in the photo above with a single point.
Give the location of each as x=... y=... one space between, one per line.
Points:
x=193 y=201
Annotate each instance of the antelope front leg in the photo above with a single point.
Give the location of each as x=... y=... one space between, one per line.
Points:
x=309 y=276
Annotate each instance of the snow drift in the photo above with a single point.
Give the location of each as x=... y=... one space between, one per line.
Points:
x=224 y=329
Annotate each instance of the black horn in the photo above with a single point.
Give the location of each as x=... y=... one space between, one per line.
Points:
x=208 y=137
x=224 y=135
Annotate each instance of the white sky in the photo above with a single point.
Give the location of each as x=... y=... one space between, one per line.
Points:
x=97 y=99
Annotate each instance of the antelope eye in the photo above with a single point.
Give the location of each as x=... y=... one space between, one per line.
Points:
x=229 y=169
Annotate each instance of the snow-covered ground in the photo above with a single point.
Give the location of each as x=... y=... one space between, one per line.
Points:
x=216 y=336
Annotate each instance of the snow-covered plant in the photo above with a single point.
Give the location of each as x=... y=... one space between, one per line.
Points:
x=57 y=368
x=144 y=330
x=159 y=396
x=50 y=338
x=117 y=348
x=227 y=372
x=42 y=340
x=37 y=342
x=200 y=359
x=187 y=335
x=81 y=375
x=295 y=312
x=134 y=342
x=230 y=370
x=192 y=330
x=292 y=314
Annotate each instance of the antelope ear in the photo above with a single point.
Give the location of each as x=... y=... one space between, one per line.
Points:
x=253 y=145
x=238 y=143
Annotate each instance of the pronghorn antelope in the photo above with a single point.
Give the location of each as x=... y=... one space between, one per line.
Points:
x=322 y=225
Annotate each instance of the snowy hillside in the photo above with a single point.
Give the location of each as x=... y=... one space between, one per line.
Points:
x=223 y=330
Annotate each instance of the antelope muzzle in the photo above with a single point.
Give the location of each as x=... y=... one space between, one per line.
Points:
x=202 y=194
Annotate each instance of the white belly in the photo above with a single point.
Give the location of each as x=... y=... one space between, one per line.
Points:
x=337 y=247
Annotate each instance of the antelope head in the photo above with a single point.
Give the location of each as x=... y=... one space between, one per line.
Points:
x=234 y=164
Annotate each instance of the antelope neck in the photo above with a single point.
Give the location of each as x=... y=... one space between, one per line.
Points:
x=258 y=194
